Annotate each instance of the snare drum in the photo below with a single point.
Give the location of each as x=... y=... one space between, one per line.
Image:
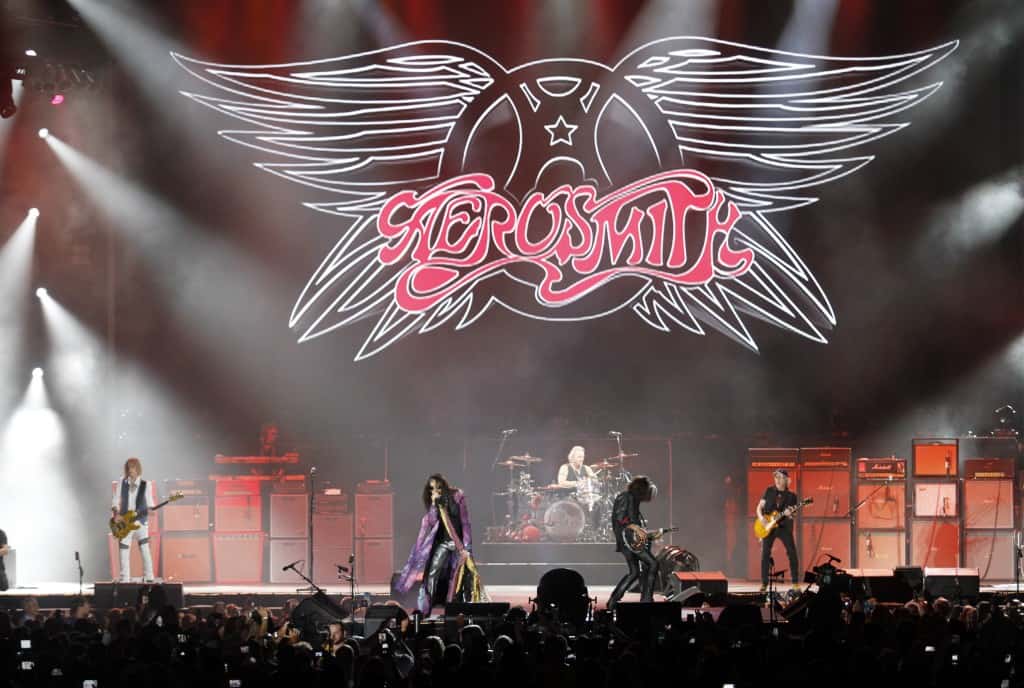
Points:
x=564 y=520
x=588 y=491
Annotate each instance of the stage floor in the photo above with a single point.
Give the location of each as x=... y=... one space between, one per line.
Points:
x=59 y=595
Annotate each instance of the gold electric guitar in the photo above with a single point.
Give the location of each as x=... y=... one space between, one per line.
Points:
x=637 y=538
x=771 y=521
x=130 y=520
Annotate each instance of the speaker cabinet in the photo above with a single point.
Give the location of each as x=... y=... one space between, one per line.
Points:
x=988 y=504
x=135 y=556
x=374 y=516
x=238 y=513
x=881 y=549
x=289 y=515
x=332 y=530
x=325 y=563
x=991 y=552
x=935 y=500
x=374 y=560
x=709 y=582
x=284 y=552
x=934 y=542
x=190 y=514
x=187 y=557
x=956 y=584
x=885 y=508
x=935 y=458
x=238 y=557
x=112 y=595
x=819 y=537
x=830 y=489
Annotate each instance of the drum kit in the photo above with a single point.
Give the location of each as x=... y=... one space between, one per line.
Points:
x=553 y=513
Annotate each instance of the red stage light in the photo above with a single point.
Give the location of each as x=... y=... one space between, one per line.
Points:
x=57 y=99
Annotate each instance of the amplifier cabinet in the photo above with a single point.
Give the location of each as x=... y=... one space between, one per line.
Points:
x=238 y=557
x=187 y=557
x=374 y=516
x=289 y=515
x=374 y=560
x=332 y=530
x=885 y=506
x=991 y=552
x=988 y=504
x=135 y=556
x=819 y=537
x=935 y=500
x=191 y=513
x=238 y=513
x=284 y=551
x=881 y=548
x=937 y=458
x=934 y=542
x=325 y=563
x=830 y=489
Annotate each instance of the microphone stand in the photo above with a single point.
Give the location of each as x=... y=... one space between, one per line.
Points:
x=852 y=513
x=81 y=573
x=312 y=497
x=313 y=587
x=511 y=510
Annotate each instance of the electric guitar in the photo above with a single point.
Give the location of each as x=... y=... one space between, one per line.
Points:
x=637 y=538
x=130 y=520
x=763 y=529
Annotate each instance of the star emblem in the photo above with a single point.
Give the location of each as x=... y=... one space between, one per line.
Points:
x=561 y=131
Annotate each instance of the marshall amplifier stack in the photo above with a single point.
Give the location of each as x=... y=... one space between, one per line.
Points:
x=881 y=535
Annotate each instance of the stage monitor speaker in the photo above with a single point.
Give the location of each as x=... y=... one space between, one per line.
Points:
x=955 y=584
x=192 y=513
x=487 y=615
x=187 y=557
x=646 y=619
x=135 y=556
x=934 y=542
x=991 y=552
x=819 y=537
x=830 y=489
x=374 y=516
x=882 y=584
x=314 y=614
x=378 y=615
x=285 y=551
x=289 y=515
x=988 y=504
x=114 y=595
x=238 y=557
x=881 y=549
x=740 y=615
x=913 y=576
x=885 y=506
x=374 y=560
x=935 y=500
x=936 y=458
x=708 y=582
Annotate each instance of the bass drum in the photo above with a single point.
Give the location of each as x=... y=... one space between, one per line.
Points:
x=670 y=559
x=564 y=521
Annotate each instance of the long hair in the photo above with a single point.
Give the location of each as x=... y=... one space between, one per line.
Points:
x=445 y=488
x=642 y=488
x=132 y=462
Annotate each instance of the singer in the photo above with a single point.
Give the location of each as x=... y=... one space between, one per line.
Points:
x=442 y=549
x=779 y=497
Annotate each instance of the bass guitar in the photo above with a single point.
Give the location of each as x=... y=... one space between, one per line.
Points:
x=637 y=538
x=129 y=521
x=771 y=521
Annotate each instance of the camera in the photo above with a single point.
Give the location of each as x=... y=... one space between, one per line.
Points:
x=26 y=644
x=28 y=665
x=182 y=638
x=235 y=683
x=90 y=683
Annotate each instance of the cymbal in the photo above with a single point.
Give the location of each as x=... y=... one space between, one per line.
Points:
x=555 y=488
x=603 y=465
x=618 y=457
x=526 y=458
x=512 y=462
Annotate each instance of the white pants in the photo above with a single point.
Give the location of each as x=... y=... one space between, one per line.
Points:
x=124 y=552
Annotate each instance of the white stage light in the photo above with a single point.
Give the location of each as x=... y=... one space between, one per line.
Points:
x=31 y=53
x=37 y=373
x=41 y=293
x=33 y=212
x=44 y=133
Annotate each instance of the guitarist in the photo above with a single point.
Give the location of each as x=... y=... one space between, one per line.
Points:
x=134 y=495
x=778 y=497
x=642 y=565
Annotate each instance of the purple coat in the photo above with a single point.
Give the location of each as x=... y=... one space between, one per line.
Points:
x=415 y=568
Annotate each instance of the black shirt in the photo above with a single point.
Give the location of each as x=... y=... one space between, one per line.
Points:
x=777 y=500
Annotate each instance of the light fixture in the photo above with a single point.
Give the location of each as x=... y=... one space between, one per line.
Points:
x=37 y=373
x=33 y=212
x=44 y=133
x=41 y=293
x=31 y=53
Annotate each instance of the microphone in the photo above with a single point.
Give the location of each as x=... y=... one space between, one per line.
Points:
x=341 y=568
x=312 y=470
x=947 y=465
x=868 y=546
x=291 y=565
x=613 y=433
x=510 y=431
x=76 y=556
x=351 y=558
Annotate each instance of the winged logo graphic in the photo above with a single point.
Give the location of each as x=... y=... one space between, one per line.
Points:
x=564 y=189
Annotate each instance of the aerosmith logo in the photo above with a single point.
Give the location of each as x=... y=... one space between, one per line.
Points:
x=564 y=190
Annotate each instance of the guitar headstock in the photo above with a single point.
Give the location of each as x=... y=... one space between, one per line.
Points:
x=806 y=501
x=175 y=496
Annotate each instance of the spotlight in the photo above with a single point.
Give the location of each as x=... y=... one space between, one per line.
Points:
x=57 y=99
x=33 y=212
x=37 y=373
x=41 y=292
x=44 y=133
x=31 y=53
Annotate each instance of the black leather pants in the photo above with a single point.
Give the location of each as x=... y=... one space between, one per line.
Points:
x=643 y=566
x=435 y=569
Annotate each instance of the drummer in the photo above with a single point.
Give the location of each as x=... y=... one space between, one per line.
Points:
x=574 y=469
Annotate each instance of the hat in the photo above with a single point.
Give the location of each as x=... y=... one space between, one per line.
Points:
x=782 y=471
